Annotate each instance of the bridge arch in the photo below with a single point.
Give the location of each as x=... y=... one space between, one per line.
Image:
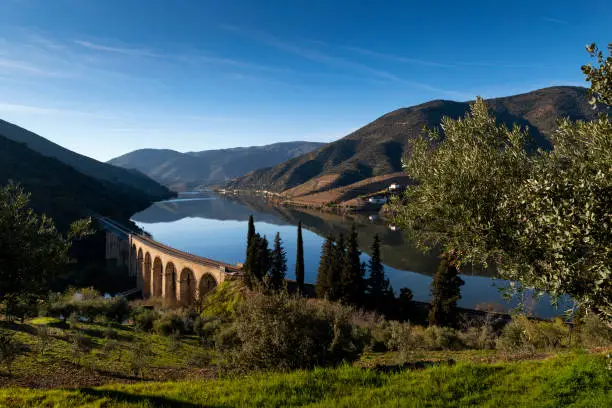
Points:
x=140 y=268
x=187 y=287
x=170 y=282
x=146 y=290
x=158 y=272
x=206 y=285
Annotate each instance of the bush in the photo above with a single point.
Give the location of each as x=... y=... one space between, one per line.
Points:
x=44 y=338
x=89 y=305
x=139 y=358
x=442 y=338
x=168 y=324
x=144 y=319
x=287 y=332
x=10 y=349
x=403 y=338
x=525 y=334
x=116 y=310
x=594 y=333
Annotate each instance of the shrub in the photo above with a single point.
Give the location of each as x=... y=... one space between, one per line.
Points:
x=403 y=339
x=116 y=309
x=79 y=345
x=44 y=338
x=10 y=349
x=140 y=358
x=224 y=302
x=522 y=333
x=442 y=338
x=594 y=333
x=110 y=333
x=287 y=332
x=168 y=324
x=144 y=319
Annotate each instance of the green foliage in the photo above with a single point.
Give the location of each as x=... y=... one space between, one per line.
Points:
x=594 y=333
x=600 y=76
x=278 y=263
x=223 y=303
x=10 y=349
x=299 y=262
x=139 y=358
x=89 y=305
x=542 y=217
x=379 y=292
x=351 y=286
x=169 y=324
x=258 y=261
x=445 y=292
x=32 y=251
x=288 y=332
x=575 y=380
x=522 y=333
x=324 y=283
x=144 y=319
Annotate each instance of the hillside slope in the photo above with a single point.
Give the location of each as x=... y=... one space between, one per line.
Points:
x=181 y=171
x=378 y=147
x=61 y=191
x=122 y=178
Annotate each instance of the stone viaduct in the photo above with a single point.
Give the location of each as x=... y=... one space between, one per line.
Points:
x=162 y=271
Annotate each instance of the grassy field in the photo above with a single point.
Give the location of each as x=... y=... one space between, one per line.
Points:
x=579 y=380
x=103 y=357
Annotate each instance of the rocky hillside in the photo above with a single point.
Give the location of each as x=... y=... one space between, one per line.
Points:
x=182 y=171
x=377 y=148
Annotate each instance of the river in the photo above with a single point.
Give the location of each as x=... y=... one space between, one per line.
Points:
x=215 y=227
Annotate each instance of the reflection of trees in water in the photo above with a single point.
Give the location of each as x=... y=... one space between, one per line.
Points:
x=395 y=250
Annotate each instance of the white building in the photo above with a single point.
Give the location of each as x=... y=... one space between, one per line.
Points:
x=378 y=200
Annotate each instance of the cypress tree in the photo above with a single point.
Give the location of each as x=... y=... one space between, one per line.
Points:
x=323 y=285
x=351 y=279
x=299 y=262
x=263 y=258
x=251 y=265
x=278 y=267
x=250 y=235
x=445 y=291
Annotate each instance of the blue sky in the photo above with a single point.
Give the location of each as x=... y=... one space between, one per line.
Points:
x=110 y=76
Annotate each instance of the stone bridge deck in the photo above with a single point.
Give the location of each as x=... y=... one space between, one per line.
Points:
x=165 y=272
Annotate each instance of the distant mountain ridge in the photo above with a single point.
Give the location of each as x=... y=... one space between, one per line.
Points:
x=378 y=147
x=182 y=171
x=125 y=179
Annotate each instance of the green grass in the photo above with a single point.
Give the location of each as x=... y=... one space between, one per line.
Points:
x=104 y=361
x=578 y=380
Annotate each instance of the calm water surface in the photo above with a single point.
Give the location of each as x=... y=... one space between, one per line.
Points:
x=216 y=226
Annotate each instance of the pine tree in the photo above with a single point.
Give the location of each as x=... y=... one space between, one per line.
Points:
x=351 y=279
x=299 y=262
x=278 y=268
x=445 y=291
x=336 y=265
x=323 y=285
x=379 y=291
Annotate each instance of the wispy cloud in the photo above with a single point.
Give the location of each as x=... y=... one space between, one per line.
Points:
x=140 y=52
x=555 y=20
x=397 y=58
x=331 y=60
x=14 y=65
x=6 y=107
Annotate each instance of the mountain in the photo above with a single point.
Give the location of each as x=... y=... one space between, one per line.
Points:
x=123 y=179
x=377 y=148
x=182 y=171
x=61 y=191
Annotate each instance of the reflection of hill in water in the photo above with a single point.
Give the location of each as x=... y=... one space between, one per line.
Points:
x=395 y=250
x=210 y=207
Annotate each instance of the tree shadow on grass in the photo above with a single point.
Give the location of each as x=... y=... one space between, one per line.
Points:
x=414 y=365
x=142 y=400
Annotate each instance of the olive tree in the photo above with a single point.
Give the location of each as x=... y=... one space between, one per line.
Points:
x=32 y=250
x=544 y=218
